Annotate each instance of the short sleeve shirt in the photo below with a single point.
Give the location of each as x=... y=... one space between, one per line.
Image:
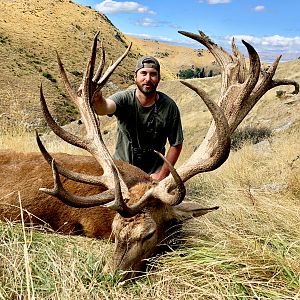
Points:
x=144 y=129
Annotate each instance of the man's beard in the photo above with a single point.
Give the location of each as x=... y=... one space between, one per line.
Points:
x=147 y=91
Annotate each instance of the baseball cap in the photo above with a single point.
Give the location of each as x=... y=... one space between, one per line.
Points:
x=147 y=62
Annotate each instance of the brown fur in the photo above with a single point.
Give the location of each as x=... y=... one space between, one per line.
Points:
x=24 y=173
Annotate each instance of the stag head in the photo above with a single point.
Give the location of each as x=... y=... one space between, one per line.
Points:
x=147 y=210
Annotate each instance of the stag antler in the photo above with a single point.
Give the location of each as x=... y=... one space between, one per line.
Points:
x=240 y=91
x=93 y=143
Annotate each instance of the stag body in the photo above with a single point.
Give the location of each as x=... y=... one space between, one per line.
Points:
x=22 y=174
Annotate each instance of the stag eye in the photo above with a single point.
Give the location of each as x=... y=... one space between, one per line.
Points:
x=149 y=236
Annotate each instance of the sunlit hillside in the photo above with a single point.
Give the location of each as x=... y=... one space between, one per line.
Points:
x=31 y=31
x=175 y=58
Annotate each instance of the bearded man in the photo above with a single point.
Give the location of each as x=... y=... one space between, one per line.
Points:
x=147 y=119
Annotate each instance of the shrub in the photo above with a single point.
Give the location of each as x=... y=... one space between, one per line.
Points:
x=249 y=134
x=3 y=39
x=195 y=73
x=280 y=93
x=77 y=73
x=48 y=76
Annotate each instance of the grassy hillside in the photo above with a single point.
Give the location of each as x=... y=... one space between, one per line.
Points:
x=30 y=33
x=175 y=58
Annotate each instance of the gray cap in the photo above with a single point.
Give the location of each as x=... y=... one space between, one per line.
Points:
x=147 y=62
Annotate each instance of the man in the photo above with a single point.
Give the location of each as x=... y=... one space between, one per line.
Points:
x=147 y=118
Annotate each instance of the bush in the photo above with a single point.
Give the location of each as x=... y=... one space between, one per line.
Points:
x=48 y=76
x=3 y=39
x=249 y=134
x=280 y=93
x=195 y=73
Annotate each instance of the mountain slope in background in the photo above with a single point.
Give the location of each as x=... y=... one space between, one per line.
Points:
x=32 y=30
x=175 y=58
x=30 y=33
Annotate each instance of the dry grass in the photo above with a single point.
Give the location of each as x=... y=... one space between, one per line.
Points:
x=248 y=249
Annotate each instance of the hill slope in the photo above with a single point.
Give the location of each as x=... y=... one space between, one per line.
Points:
x=175 y=58
x=30 y=33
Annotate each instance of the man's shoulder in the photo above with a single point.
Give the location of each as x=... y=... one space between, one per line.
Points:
x=123 y=99
x=167 y=100
x=123 y=95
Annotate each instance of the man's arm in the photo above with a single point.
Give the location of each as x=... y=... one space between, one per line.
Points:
x=103 y=106
x=172 y=156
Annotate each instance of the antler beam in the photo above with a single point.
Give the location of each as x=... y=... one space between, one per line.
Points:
x=93 y=141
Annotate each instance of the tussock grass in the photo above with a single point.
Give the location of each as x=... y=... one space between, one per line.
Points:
x=21 y=140
x=248 y=249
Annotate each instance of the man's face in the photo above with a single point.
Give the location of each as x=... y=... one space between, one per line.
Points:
x=147 y=80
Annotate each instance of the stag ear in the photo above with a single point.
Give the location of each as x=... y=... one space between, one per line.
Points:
x=188 y=210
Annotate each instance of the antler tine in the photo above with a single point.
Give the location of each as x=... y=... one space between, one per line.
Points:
x=79 y=177
x=254 y=69
x=279 y=82
x=59 y=131
x=221 y=56
x=241 y=61
x=119 y=204
x=101 y=65
x=65 y=79
x=101 y=82
x=217 y=141
x=87 y=81
x=73 y=200
x=163 y=194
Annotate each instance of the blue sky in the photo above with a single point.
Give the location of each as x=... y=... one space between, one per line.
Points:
x=271 y=26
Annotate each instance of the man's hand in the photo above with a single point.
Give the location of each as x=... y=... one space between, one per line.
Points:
x=157 y=176
x=101 y=105
x=98 y=101
x=172 y=156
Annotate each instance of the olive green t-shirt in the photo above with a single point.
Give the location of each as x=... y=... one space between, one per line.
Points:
x=144 y=129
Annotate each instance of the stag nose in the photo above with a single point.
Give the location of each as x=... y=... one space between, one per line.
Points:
x=122 y=276
x=108 y=269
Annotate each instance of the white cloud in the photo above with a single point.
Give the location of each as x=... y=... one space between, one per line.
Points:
x=259 y=8
x=148 y=22
x=270 y=47
x=113 y=7
x=151 y=37
x=270 y=41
